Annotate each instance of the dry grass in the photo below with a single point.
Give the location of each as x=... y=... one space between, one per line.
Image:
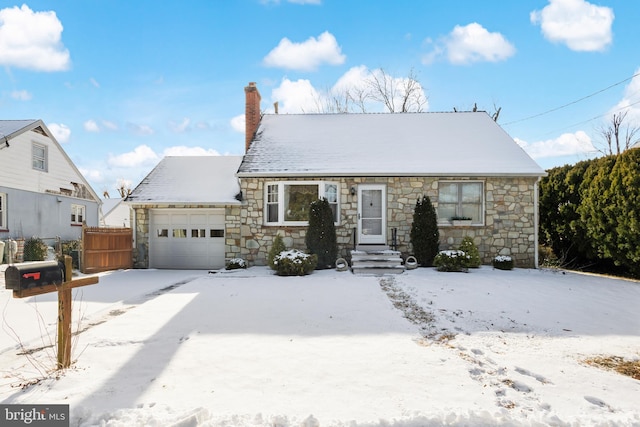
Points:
x=630 y=368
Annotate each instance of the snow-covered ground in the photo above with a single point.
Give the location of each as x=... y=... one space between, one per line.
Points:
x=247 y=348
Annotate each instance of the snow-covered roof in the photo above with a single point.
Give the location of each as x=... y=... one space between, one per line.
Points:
x=9 y=127
x=407 y=144
x=190 y=179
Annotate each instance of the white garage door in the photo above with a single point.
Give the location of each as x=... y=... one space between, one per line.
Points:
x=186 y=238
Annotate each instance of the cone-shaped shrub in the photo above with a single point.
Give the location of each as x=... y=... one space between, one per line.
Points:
x=424 y=232
x=321 y=236
x=277 y=247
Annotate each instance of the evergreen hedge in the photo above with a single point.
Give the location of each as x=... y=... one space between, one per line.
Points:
x=590 y=216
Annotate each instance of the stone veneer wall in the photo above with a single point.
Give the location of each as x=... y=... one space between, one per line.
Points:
x=510 y=225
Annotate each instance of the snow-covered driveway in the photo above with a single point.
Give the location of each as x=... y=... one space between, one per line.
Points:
x=332 y=349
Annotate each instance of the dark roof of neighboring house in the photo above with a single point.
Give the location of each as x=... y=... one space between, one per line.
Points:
x=400 y=144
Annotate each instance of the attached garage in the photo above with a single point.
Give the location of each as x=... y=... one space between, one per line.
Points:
x=187 y=239
x=183 y=211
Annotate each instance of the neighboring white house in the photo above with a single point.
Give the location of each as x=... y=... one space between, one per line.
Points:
x=42 y=193
x=115 y=213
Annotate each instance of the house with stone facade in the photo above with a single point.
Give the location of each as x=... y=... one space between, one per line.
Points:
x=372 y=169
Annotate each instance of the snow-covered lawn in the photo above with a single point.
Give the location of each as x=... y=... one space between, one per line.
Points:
x=247 y=348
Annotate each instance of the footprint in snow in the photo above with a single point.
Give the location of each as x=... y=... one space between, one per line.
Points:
x=598 y=402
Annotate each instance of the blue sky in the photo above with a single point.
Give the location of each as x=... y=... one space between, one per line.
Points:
x=124 y=83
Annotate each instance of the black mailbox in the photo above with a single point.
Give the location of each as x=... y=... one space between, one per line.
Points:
x=31 y=274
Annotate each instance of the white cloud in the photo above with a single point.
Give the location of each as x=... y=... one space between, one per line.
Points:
x=21 y=95
x=295 y=97
x=306 y=56
x=32 y=40
x=630 y=102
x=91 y=126
x=94 y=82
x=109 y=125
x=141 y=155
x=566 y=144
x=180 y=127
x=238 y=123
x=142 y=130
x=471 y=43
x=302 y=97
x=181 y=150
x=580 y=25
x=61 y=132
x=93 y=175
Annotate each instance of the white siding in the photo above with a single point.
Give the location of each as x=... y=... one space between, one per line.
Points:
x=16 y=170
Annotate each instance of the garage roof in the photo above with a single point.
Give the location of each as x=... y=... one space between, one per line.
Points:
x=189 y=180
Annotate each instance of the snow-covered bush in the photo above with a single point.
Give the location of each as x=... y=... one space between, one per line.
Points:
x=452 y=260
x=294 y=263
x=277 y=247
x=503 y=262
x=236 y=263
x=468 y=247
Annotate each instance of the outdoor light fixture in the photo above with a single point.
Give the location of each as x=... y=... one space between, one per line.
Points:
x=353 y=190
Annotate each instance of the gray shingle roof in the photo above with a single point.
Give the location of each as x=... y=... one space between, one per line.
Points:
x=408 y=144
x=9 y=127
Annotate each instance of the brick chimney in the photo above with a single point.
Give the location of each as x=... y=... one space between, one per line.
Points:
x=251 y=113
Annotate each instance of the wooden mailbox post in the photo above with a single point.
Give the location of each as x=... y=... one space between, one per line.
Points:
x=64 y=307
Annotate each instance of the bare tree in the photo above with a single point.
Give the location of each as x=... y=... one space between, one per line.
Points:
x=124 y=188
x=617 y=136
x=397 y=95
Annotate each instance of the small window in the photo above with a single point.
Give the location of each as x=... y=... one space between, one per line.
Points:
x=216 y=233
x=197 y=233
x=3 y=211
x=162 y=232
x=272 y=203
x=180 y=233
x=39 y=157
x=77 y=214
x=461 y=199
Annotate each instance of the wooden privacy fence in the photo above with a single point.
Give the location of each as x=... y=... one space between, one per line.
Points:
x=105 y=249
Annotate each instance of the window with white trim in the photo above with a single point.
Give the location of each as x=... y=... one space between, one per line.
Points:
x=288 y=202
x=3 y=211
x=461 y=199
x=77 y=214
x=39 y=157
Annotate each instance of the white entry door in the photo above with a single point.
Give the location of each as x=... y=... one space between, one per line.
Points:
x=372 y=213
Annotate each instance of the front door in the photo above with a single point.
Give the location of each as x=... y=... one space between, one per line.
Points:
x=372 y=212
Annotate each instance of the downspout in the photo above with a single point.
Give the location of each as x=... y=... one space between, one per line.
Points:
x=536 y=220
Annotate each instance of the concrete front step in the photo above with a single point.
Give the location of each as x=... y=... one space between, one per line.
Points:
x=377 y=261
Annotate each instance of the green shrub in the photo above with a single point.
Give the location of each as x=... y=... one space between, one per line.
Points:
x=235 y=264
x=34 y=250
x=277 y=247
x=468 y=247
x=294 y=263
x=321 y=237
x=424 y=233
x=503 y=262
x=452 y=260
